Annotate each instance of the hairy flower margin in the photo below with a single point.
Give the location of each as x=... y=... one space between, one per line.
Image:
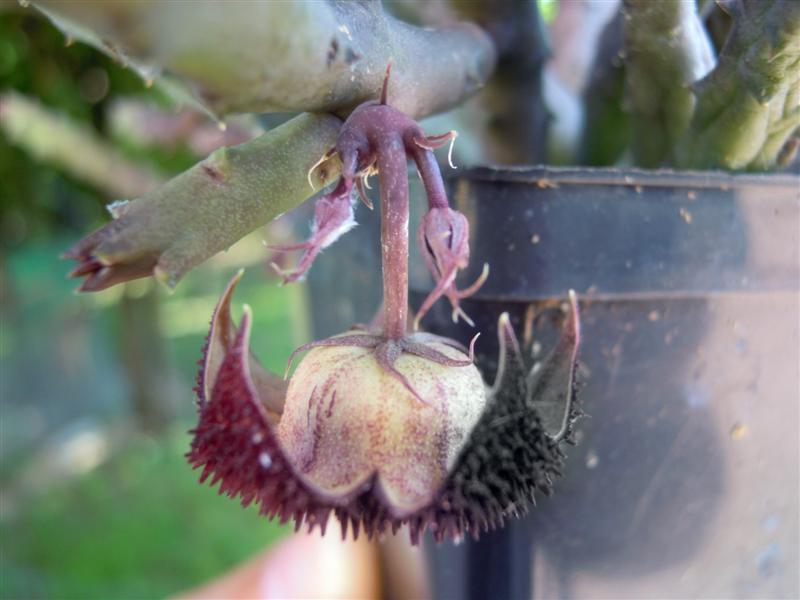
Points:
x=513 y=450
x=384 y=427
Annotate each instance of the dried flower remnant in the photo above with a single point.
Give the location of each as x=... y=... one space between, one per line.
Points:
x=383 y=427
x=333 y=216
x=443 y=239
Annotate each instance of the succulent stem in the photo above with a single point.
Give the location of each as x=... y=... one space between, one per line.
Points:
x=337 y=52
x=746 y=109
x=667 y=49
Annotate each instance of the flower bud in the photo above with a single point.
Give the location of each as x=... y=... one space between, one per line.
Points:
x=348 y=420
x=384 y=433
x=443 y=240
x=443 y=237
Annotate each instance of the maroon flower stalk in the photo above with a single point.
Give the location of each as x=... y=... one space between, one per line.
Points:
x=379 y=136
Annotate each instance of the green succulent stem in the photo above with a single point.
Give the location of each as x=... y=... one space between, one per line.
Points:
x=208 y=208
x=287 y=56
x=606 y=129
x=234 y=191
x=748 y=106
x=332 y=57
x=666 y=49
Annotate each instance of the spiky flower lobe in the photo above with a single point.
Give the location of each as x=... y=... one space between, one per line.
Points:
x=348 y=423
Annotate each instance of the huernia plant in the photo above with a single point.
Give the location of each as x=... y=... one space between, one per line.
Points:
x=385 y=426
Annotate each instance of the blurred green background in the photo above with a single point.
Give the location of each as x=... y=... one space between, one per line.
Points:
x=97 y=498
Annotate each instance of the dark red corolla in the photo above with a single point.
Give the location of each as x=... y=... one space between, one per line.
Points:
x=384 y=427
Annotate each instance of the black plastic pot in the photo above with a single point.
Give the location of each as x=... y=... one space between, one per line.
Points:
x=685 y=480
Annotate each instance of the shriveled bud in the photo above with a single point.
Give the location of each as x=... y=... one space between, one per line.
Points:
x=443 y=239
x=384 y=428
x=347 y=420
x=444 y=233
x=333 y=217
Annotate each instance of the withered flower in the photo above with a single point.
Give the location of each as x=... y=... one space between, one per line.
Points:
x=385 y=427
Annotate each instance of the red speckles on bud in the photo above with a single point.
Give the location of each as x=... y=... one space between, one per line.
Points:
x=349 y=424
x=443 y=239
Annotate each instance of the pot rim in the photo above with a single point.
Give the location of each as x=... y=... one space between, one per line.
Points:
x=545 y=176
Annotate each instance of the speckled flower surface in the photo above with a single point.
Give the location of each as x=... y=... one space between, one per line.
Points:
x=359 y=422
